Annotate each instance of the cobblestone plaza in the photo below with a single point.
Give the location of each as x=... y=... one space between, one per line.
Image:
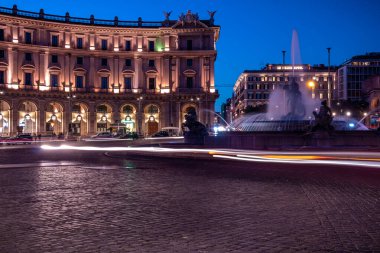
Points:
x=174 y=205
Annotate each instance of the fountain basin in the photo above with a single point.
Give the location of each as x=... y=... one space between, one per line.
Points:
x=294 y=139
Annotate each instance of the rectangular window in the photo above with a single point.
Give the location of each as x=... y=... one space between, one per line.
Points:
x=128 y=83
x=79 y=82
x=54 y=58
x=2 y=77
x=189 y=45
x=28 y=79
x=28 y=38
x=151 y=63
x=1 y=34
x=104 y=62
x=80 y=60
x=189 y=62
x=189 y=82
x=54 y=40
x=54 y=80
x=2 y=54
x=128 y=62
x=151 y=45
x=104 y=44
x=152 y=83
x=127 y=45
x=28 y=57
x=79 y=43
x=104 y=82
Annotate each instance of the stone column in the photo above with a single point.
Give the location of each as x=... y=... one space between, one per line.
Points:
x=165 y=73
x=14 y=116
x=116 y=80
x=91 y=119
x=11 y=64
x=92 y=72
x=164 y=114
x=66 y=70
x=41 y=116
x=178 y=113
x=41 y=68
x=137 y=83
x=15 y=75
x=66 y=116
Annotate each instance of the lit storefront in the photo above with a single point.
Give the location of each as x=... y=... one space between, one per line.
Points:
x=128 y=118
x=103 y=118
x=151 y=119
x=54 y=119
x=4 y=118
x=79 y=119
x=27 y=122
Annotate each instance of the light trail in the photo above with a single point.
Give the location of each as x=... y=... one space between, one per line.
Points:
x=342 y=158
x=339 y=161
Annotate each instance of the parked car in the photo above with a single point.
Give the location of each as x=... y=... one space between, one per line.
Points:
x=161 y=134
x=19 y=139
x=102 y=135
x=130 y=135
x=168 y=132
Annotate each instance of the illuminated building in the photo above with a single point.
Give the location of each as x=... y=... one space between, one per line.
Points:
x=371 y=91
x=253 y=87
x=353 y=72
x=88 y=75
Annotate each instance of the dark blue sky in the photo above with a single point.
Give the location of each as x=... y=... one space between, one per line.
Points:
x=253 y=32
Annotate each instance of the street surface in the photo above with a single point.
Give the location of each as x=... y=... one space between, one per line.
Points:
x=72 y=200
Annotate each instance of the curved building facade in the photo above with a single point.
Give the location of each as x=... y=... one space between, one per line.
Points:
x=60 y=73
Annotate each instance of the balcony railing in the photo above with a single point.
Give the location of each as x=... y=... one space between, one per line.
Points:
x=85 y=21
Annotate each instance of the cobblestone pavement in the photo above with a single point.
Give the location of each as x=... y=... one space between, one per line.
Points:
x=142 y=204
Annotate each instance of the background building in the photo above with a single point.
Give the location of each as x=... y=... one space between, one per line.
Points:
x=91 y=75
x=353 y=72
x=253 y=87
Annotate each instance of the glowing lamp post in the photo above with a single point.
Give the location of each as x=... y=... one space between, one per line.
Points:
x=311 y=85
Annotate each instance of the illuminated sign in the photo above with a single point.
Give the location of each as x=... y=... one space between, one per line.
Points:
x=297 y=67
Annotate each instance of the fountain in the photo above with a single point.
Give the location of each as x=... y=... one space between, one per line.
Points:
x=290 y=106
x=289 y=122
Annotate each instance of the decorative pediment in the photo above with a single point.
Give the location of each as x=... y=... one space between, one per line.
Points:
x=189 y=72
x=3 y=65
x=79 y=69
x=28 y=66
x=55 y=68
x=104 y=69
x=189 y=20
x=151 y=71
x=128 y=71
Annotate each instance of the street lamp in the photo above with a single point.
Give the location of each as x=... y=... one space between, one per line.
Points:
x=311 y=85
x=328 y=79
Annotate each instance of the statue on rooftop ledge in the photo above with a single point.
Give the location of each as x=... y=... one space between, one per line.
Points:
x=211 y=13
x=195 y=128
x=323 y=118
x=167 y=15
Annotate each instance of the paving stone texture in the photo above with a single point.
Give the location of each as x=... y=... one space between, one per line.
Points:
x=163 y=205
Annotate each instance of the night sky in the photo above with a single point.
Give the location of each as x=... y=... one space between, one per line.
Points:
x=253 y=32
